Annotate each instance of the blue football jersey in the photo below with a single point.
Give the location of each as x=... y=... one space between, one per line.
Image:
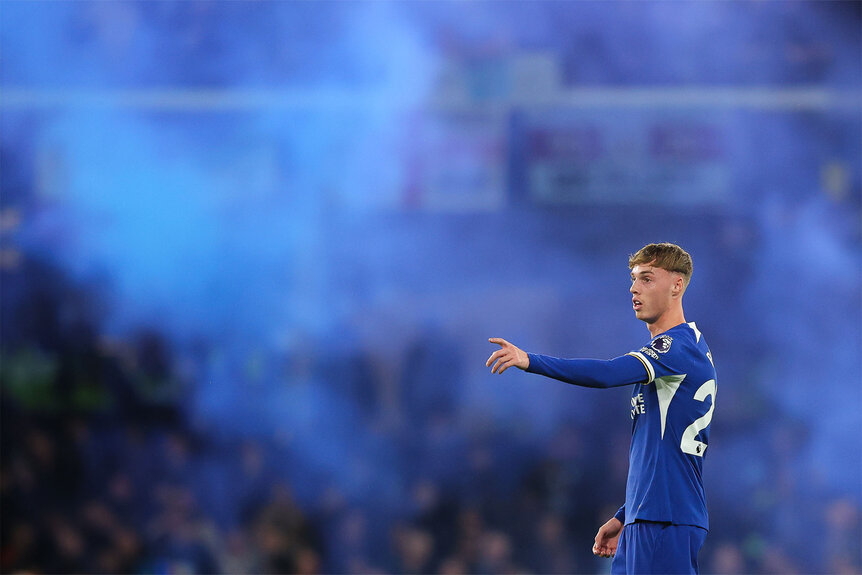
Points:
x=670 y=432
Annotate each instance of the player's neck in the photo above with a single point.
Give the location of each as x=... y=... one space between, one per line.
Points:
x=668 y=320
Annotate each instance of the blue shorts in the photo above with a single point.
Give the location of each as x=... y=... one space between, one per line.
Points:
x=648 y=547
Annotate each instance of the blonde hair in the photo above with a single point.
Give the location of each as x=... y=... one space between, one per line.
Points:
x=669 y=257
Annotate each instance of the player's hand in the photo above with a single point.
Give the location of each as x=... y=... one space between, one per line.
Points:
x=607 y=538
x=507 y=356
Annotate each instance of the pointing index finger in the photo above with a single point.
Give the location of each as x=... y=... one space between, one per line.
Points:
x=498 y=340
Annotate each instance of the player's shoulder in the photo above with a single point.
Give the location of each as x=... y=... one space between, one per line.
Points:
x=688 y=332
x=690 y=344
x=685 y=337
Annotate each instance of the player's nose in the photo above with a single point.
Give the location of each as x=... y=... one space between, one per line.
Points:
x=633 y=289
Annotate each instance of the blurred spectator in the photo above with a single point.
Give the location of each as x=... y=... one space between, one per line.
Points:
x=842 y=544
x=414 y=550
x=727 y=559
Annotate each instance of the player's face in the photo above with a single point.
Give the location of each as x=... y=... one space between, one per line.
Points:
x=652 y=291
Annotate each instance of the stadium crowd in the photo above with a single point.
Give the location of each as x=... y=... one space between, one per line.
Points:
x=103 y=472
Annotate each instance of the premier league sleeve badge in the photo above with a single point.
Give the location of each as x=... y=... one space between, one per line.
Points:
x=661 y=344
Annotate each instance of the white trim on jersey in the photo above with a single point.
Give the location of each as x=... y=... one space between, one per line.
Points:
x=665 y=388
x=697 y=333
x=647 y=364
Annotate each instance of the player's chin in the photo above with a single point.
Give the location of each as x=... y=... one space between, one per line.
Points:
x=644 y=317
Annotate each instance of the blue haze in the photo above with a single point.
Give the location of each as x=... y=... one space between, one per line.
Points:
x=275 y=227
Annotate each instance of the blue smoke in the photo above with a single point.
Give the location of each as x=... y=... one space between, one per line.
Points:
x=278 y=226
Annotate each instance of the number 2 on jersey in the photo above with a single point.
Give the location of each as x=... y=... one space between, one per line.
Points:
x=689 y=444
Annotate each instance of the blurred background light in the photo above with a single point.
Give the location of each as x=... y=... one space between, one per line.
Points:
x=251 y=254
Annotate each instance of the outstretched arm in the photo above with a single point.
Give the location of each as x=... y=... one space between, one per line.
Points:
x=623 y=370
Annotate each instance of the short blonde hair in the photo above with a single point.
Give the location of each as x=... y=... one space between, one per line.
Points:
x=666 y=256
